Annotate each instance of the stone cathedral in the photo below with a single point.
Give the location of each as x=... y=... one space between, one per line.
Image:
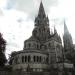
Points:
x=42 y=50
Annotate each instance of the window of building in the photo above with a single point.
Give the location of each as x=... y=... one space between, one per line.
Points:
x=40 y=59
x=29 y=45
x=34 y=58
x=29 y=58
x=37 y=59
x=47 y=60
x=16 y=60
x=22 y=59
x=25 y=58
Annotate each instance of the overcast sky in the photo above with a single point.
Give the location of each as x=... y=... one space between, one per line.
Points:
x=17 y=19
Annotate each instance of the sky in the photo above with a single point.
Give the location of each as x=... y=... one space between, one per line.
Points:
x=17 y=19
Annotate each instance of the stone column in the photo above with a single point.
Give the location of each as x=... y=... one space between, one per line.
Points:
x=49 y=59
x=26 y=58
x=49 y=56
x=13 y=61
x=42 y=59
x=19 y=59
x=31 y=58
x=35 y=58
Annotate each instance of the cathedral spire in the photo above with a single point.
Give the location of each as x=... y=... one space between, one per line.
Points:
x=41 y=10
x=41 y=30
x=41 y=19
x=67 y=39
x=65 y=28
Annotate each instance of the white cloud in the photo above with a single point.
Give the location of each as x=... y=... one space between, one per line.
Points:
x=1 y=13
x=28 y=6
x=64 y=10
x=17 y=23
x=15 y=28
x=2 y=2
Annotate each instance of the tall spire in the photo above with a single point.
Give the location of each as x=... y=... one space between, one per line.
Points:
x=65 y=28
x=41 y=19
x=67 y=39
x=41 y=10
x=41 y=30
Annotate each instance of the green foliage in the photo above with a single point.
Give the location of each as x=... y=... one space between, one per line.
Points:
x=11 y=57
x=71 y=56
x=2 y=51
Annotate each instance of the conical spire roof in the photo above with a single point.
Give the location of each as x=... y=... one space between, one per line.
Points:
x=41 y=19
x=41 y=30
x=41 y=10
x=67 y=39
x=65 y=28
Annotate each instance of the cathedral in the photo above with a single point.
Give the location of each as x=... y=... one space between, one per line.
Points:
x=42 y=50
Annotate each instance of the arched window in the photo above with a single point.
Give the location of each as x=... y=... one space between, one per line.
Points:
x=37 y=59
x=29 y=58
x=25 y=58
x=34 y=58
x=47 y=60
x=16 y=60
x=29 y=45
x=40 y=59
x=22 y=59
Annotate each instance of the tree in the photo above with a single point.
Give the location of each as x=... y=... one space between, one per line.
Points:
x=71 y=57
x=2 y=51
x=11 y=57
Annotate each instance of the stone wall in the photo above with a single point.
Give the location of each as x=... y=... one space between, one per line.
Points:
x=34 y=73
x=23 y=73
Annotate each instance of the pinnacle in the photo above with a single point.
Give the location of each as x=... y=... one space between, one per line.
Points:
x=41 y=9
x=65 y=28
x=41 y=19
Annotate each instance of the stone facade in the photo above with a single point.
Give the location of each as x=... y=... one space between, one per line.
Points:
x=42 y=50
